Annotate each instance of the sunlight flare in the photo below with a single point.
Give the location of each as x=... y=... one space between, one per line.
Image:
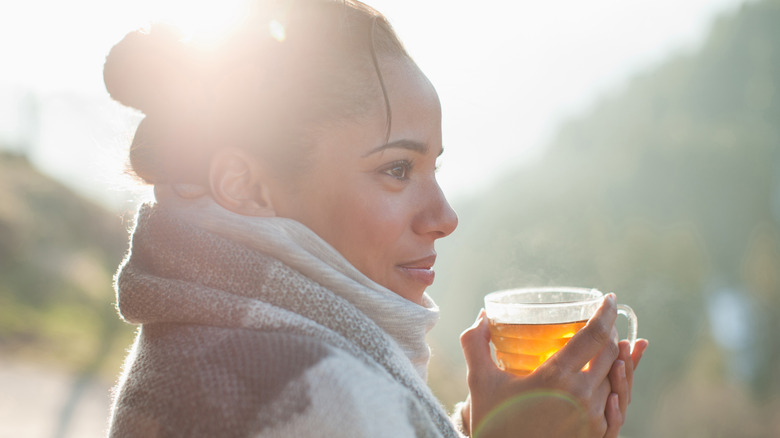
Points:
x=277 y=30
x=204 y=21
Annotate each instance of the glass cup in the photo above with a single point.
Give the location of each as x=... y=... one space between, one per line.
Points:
x=529 y=325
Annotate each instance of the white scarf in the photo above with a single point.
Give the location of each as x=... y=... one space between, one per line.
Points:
x=194 y=264
x=301 y=249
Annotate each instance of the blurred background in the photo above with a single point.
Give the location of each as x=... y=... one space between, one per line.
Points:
x=634 y=148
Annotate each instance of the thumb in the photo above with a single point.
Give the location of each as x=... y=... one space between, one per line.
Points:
x=589 y=341
x=475 y=342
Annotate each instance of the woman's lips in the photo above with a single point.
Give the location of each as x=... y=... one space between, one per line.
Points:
x=421 y=270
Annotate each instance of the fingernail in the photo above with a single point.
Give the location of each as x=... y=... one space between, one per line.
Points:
x=611 y=297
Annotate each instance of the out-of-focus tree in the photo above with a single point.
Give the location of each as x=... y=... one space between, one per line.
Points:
x=667 y=192
x=58 y=253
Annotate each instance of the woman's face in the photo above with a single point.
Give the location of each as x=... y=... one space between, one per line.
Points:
x=377 y=202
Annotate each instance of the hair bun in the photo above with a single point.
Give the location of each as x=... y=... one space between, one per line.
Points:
x=144 y=66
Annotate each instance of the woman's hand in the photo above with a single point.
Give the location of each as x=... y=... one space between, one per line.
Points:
x=563 y=397
x=622 y=373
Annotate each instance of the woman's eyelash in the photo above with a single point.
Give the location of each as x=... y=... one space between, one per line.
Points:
x=399 y=169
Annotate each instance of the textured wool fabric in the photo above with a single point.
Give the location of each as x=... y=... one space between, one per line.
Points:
x=256 y=327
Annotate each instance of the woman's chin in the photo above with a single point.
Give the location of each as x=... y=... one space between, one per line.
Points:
x=410 y=290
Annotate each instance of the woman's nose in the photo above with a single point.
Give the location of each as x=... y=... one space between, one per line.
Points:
x=436 y=217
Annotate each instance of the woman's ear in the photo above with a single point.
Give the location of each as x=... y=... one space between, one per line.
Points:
x=240 y=184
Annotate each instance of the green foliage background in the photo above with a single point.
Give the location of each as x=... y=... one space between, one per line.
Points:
x=58 y=253
x=667 y=192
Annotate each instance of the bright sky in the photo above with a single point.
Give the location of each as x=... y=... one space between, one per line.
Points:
x=506 y=71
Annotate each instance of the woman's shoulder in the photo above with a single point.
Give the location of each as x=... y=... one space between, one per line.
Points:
x=195 y=379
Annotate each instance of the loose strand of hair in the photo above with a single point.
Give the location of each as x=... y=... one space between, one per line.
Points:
x=375 y=60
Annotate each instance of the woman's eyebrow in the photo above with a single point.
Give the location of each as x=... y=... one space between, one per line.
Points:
x=401 y=144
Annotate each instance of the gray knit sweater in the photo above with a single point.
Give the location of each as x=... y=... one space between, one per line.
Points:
x=257 y=328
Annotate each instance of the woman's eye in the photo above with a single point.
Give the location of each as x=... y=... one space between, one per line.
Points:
x=399 y=170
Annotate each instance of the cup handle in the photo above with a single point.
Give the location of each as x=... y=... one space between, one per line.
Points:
x=628 y=312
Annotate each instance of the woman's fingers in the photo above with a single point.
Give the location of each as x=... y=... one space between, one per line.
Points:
x=475 y=342
x=639 y=349
x=600 y=366
x=621 y=378
x=488 y=385
x=591 y=340
x=613 y=415
x=628 y=364
x=619 y=384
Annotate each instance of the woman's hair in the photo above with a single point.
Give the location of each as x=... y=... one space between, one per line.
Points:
x=289 y=67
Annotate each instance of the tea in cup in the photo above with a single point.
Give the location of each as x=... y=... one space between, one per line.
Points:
x=527 y=326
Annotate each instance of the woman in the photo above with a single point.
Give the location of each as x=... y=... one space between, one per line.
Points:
x=279 y=278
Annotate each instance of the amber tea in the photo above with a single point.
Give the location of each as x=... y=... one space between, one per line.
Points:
x=520 y=348
x=527 y=326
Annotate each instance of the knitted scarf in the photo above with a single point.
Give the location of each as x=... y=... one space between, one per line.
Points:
x=222 y=298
